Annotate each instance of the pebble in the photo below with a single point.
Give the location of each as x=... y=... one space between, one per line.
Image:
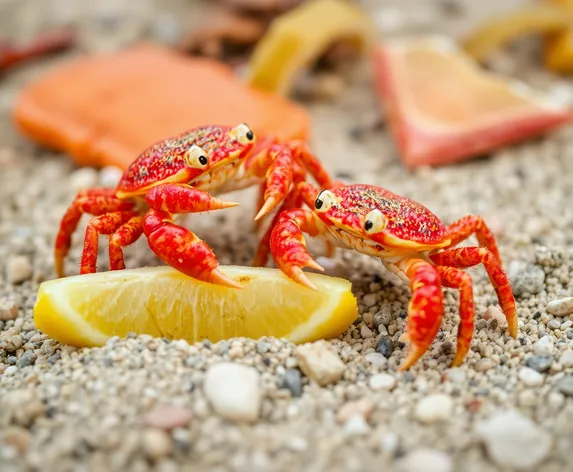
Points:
x=566 y=359
x=292 y=380
x=18 y=269
x=110 y=176
x=157 y=443
x=561 y=306
x=8 y=309
x=554 y=324
x=362 y=407
x=493 y=312
x=168 y=417
x=365 y=332
x=425 y=460
x=434 y=408
x=565 y=385
x=382 y=382
x=10 y=370
x=514 y=440
x=356 y=426
x=376 y=359
x=369 y=299
x=530 y=377
x=320 y=363
x=233 y=390
x=483 y=364
x=83 y=178
x=385 y=346
x=530 y=280
x=543 y=346
x=539 y=363
x=27 y=359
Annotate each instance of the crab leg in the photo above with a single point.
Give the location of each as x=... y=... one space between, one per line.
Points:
x=471 y=224
x=426 y=307
x=104 y=224
x=470 y=256
x=175 y=245
x=288 y=245
x=124 y=236
x=455 y=278
x=97 y=201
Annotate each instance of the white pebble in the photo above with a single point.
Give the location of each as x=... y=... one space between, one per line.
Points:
x=83 y=178
x=425 y=460
x=434 y=408
x=157 y=443
x=320 y=363
x=382 y=382
x=8 y=309
x=530 y=377
x=365 y=332
x=543 y=346
x=561 y=307
x=369 y=299
x=233 y=391
x=376 y=359
x=109 y=176
x=356 y=426
x=493 y=311
x=18 y=269
x=389 y=443
x=10 y=370
x=513 y=440
x=566 y=359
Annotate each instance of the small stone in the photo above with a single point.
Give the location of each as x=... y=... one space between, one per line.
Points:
x=11 y=343
x=168 y=417
x=27 y=359
x=493 y=312
x=362 y=407
x=233 y=391
x=425 y=460
x=18 y=269
x=8 y=309
x=356 y=426
x=543 y=346
x=11 y=370
x=513 y=440
x=83 y=178
x=389 y=443
x=561 y=306
x=110 y=176
x=365 y=332
x=382 y=382
x=565 y=385
x=17 y=437
x=530 y=280
x=320 y=363
x=236 y=352
x=376 y=359
x=566 y=359
x=483 y=365
x=263 y=347
x=369 y=299
x=455 y=375
x=385 y=346
x=434 y=408
x=539 y=363
x=157 y=443
x=292 y=381
x=530 y=377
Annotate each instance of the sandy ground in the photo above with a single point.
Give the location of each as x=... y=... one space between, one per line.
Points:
x=508 y=407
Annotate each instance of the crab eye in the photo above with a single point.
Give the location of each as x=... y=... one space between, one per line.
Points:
x=375 y=222
x=324 y=201
x=243 y=133
x=196 y=157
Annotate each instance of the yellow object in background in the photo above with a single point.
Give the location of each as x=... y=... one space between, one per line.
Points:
x=558 y=47
x=86 y=310
x=297 y=38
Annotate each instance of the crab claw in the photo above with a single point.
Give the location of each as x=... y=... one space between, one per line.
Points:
x=288 y=245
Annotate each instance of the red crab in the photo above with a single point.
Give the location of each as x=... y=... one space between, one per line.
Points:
x=173 y=176
x=410 y=240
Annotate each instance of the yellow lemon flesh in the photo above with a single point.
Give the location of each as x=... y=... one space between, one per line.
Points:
x=86 y=310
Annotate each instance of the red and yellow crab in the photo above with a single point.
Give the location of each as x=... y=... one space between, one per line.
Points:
x=410 y=240
x=173 y=176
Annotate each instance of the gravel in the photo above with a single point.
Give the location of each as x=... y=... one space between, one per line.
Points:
x=142 y=404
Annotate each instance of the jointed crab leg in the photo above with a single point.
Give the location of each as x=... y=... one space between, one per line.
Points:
x=175 y=245
x=426 y=307
x=124 y=236
x=455 y=278
x=470 y=256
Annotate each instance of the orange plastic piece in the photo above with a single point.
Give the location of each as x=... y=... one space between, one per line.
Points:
x=558 y=47
x=106 y=110
x=442 y=108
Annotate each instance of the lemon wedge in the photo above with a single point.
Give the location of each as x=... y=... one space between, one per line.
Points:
x=86 y=310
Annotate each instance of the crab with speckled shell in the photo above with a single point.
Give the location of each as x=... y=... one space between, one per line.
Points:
x=179 y=175
x=412 y=243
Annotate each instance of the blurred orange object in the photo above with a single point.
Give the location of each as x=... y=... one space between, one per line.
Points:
x=106 y=110
x=442 y=108
x=558 y=47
